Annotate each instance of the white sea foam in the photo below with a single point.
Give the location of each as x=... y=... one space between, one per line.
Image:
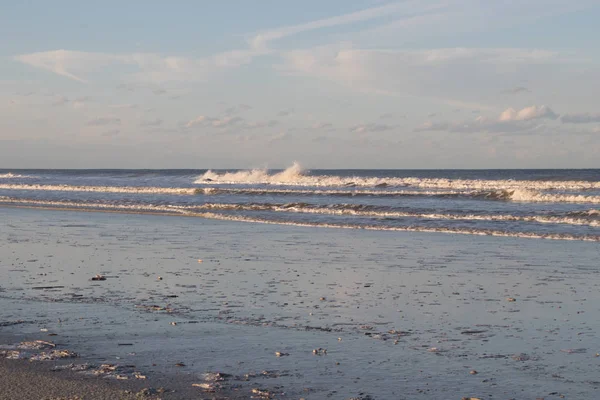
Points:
x=10 y=175
x=519 y=195
x=100 y=189
x=359 y=210
x=296 y=176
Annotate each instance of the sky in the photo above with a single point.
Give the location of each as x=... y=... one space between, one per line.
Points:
x=330 y=84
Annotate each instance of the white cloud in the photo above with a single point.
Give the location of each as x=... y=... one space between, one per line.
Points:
x=322 y=125
x=453 y=76
x=584 y=118
x=527 y=113
x=370 y=128
x=150 y=67
x=261 y=40
x=196 y=121
x=509 y=121
x=214 y=122
x=262 y=124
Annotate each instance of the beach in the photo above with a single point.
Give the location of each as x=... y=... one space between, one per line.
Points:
x=295 y=312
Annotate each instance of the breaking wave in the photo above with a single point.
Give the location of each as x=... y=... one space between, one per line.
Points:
x=100 y=189
x=10 y=175
x=296 y=176
x=362 y=210
x=516 y=195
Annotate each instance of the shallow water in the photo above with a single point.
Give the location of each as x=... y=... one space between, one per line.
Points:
x=266 y=288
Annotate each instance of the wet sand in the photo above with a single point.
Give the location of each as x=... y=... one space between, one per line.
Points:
x=248 y=310
x=23 y=380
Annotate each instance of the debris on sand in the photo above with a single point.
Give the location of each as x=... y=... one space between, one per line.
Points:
x=53 y=355
x=262 y=393
x=99 y=277
x=36 y=345
x=11 y=354
x=208 y=387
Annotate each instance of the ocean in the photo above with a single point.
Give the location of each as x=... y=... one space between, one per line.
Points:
x=539 y=204
x=362 y=284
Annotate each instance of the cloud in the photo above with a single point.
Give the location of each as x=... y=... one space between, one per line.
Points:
x=123 y=106
x=196 y=121
x=149 y=67
x=584 y=118
x=509 y=121
x=370 y=128
x=262 y=124
x=151 y=123
x=224 y=122
x=237 y=109
x=322 y=125
x=442 y=75
x=102 y=121
x=278 y=137
x=285 y=113
x=61 y=100
x=261 y=40
x=156 y=68
x=527 y=113
x=518 y=89
x=113 y=132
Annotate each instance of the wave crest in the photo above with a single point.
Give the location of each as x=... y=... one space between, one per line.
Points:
x=296 y=176
x=292 y=174
x=10 y=175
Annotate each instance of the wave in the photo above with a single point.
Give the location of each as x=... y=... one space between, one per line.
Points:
x=100 y=189
x=372 y=211
x=517 y=195
x=463 y=231
x=10 y=175
x=589 y=218
x=296 y=176
x=175 y=210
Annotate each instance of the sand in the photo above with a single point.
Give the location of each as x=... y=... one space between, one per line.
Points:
x=414 y=313
x=23 y=380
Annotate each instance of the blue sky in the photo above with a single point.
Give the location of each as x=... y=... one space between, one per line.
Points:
x=336 y=84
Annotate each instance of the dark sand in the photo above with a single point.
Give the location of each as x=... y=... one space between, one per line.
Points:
x=24 y=380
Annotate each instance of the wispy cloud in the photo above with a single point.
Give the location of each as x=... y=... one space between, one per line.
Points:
x=509 y=121
x=518 y=89
x=583 y=118
x=371 y=128
x=152 y=123
x=102 y=121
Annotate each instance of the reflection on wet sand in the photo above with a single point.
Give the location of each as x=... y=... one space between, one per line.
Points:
x=275 y=312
